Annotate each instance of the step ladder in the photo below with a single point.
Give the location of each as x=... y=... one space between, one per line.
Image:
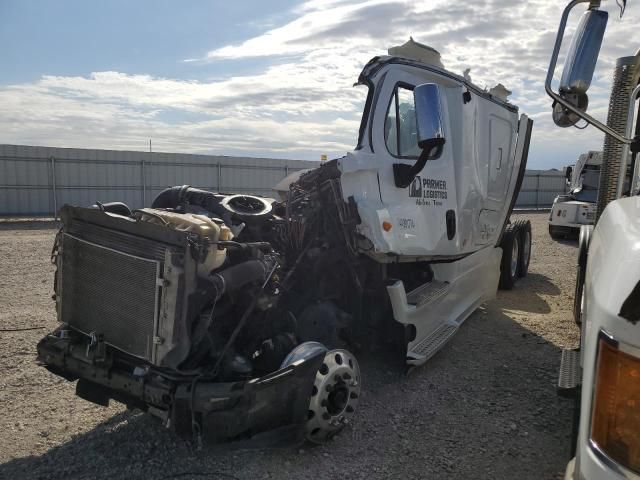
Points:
x=430 y=345
x=570 y=374
x=427 y=293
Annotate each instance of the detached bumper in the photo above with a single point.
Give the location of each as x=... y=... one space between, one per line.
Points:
x=273 y=407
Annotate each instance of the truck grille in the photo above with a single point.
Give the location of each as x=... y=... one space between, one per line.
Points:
x=110 y=293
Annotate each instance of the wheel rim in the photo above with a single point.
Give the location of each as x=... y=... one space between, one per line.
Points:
x=526 y=248
x=514 y=257
x=334 y=397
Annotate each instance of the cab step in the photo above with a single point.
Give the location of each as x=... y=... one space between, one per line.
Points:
x=427 y=292
x=570 y=375
x=429 y=346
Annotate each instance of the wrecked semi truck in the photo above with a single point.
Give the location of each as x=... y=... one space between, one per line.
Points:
x=234 y=316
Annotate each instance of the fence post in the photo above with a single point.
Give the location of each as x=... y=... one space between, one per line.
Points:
x=53 y=188
x=537 y=191
x=286 y=170
x=219 y=176
x=144 y=180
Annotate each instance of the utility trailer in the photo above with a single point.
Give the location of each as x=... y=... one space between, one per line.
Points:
x=578 y=207
x=233 y=316
x=603 y=374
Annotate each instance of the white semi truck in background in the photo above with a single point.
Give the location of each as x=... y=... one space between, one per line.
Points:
x=577 y=207
x=604 y=373
x=228 y=316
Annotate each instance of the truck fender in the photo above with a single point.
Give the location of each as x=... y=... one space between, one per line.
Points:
x=583 y=250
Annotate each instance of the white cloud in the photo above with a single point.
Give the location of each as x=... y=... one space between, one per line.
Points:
x=303 y=104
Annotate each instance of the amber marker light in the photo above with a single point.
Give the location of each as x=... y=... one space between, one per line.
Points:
x=615 y=415
x=386 y=226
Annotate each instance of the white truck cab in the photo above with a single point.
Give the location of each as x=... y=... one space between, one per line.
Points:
x=453 y=210
x=578 y=207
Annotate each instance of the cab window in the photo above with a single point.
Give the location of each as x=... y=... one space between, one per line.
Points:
x=400 y=132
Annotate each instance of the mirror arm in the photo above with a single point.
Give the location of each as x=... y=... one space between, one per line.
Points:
x=404 y=174
x=552 y=68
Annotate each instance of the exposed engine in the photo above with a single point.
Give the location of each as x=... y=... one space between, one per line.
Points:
x=223 y=285
x=203 y=286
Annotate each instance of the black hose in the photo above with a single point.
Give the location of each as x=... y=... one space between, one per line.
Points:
x=184 y=194
x=234 y=278
x=170 y=197
x=118 y=208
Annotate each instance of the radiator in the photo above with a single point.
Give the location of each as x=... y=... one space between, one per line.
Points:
x=110 y=293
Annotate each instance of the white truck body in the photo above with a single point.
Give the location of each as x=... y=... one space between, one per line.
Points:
x=393 y=245
x=613 y=260
x=480 y=166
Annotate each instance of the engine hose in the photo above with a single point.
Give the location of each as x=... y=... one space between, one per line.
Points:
x=237 y=276
x=114 y=207
x=170 y=197
x=173 y=197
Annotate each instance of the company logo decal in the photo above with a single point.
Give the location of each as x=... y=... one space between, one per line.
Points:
x=428 y=191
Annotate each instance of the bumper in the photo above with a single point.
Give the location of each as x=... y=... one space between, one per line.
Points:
x=566 y=230
x=567 y=226
x=273 y=407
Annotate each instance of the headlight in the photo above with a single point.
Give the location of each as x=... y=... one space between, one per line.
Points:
x=615 y=418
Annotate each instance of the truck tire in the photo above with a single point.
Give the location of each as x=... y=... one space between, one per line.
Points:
x=510 y=253
x=524 y=227
x=555 y=233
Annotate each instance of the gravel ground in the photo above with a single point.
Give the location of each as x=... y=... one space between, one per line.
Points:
x=484 y=407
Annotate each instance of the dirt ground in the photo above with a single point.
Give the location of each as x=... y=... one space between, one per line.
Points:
x=483 y=407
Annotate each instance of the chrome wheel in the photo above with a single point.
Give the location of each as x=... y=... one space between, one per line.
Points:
x=514 y=257
x=526 y=247
x=334 y=396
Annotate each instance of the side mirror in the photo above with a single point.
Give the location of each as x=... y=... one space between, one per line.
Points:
x=567 y=174
x=429 y=116
x=430 y=134
x=580 y=65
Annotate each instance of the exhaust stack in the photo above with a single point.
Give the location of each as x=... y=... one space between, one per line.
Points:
x=625 y=79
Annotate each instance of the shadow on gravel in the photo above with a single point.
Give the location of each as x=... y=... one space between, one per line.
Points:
x=529 y=291
x=484 y=407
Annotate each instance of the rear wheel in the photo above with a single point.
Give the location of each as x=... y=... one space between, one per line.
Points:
x=555 y=233
x=524 y=227
x=510 y=254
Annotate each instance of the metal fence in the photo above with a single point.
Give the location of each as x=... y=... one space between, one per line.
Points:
x=539 y=188
x=39 y=180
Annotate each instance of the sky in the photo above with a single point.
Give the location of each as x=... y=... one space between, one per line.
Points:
x=266 y=79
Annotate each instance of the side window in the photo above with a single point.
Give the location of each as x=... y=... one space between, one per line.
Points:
x=400 y=125
x=391 y=126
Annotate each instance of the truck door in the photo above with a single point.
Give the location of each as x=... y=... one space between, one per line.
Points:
x=421 y=224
